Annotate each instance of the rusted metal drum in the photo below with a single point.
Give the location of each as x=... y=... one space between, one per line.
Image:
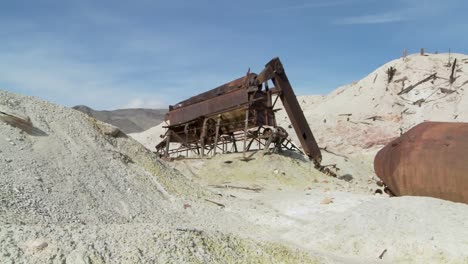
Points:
x=431 y=159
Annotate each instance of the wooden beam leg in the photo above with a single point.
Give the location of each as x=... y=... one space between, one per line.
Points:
x=245 y=130
x=250 y=143
x=202 y=137
x=234 y=144
x=217 y=134
x=168 y=142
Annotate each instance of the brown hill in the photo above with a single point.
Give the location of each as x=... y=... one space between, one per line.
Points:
x=128 y=120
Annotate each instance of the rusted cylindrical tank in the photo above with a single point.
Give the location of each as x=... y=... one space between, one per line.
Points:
x=431 y=159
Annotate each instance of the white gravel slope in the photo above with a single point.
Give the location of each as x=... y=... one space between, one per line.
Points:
x=339 y=220
x=343 y=120
x=70 y=193
x=149 y=138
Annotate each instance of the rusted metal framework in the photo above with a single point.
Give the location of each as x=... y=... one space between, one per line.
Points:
x=240 y=111
x=431 y=159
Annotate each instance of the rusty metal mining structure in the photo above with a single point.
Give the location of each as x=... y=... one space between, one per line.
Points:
x=240 y=111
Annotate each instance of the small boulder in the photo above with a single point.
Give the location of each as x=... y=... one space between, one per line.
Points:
x=327 y=200
x=35 y=245
x=107 y=129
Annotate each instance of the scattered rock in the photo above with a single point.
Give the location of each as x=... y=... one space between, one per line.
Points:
x=327 y=200
x=37 y=245
x=107 y=129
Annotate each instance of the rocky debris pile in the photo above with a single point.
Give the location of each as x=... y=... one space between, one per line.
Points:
x=110 y=177
x=81 y=191
x=142 y=243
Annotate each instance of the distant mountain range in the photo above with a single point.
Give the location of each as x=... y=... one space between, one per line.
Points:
x=128 y=120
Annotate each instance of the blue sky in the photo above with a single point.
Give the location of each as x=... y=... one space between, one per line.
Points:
x=118 y=54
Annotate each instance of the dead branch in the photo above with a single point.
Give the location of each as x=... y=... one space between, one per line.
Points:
x=218 y=204
x=407 y=113
x=390 y=73
x=446 y=91
x=411 y=87
x=360 y=122
x=374 y=118
x=452 y=78
x=333 y=153
x=383 y=252
x=236 y=187
x=419 y=102
x=190 y=230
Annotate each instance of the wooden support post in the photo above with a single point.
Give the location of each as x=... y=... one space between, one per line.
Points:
x=245 y=129
x=168 y=142
x=202 y=137
x=234 y=143
x=452 y=76
x=250 y=143
x=217 y=134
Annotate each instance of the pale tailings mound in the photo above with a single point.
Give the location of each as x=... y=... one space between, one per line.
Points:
x=72 y=172
x=338 y=219
x=371 y=112
x=76 y=190
x=149 y=138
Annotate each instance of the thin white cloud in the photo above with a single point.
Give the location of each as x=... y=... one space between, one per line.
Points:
x=46 y=69
x=317 y=4
x=408 y=10
x=154 y=103
x=373 y=19
x=52 y=75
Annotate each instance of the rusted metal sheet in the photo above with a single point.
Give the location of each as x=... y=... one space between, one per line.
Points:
x=431 y=159
x=211 y=106
x=220 y=90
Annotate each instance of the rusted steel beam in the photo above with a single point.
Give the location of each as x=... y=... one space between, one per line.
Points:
x=431 y=159
x=220 y=90
x=216 y=104
x=274 y=70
